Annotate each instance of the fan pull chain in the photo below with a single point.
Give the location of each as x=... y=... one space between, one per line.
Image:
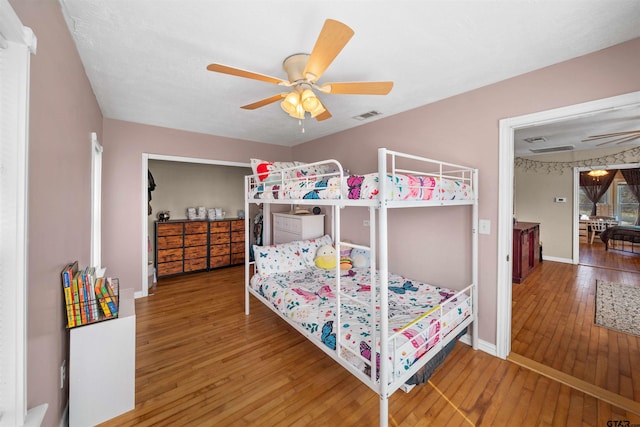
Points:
x=300 y=124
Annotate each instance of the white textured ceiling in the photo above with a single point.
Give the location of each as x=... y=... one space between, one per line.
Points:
x=146 y=59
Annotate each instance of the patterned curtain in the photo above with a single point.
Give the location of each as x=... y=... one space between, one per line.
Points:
x=595 y=186
x=632 y=176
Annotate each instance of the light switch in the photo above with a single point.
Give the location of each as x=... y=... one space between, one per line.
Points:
x=485 y=226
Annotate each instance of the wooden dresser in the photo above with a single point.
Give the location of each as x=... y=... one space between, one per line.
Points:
x=526 y=249
x=184 y=246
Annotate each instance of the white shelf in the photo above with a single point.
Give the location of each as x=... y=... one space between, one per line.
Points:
x=102 y=367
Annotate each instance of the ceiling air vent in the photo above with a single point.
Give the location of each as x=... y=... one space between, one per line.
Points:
x=367 y=115
x=552 y=149
x=535 y=139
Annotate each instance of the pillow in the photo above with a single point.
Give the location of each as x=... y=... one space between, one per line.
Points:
x=264 y=169
x=282 y=258
x=308 y=248
x=360 y=258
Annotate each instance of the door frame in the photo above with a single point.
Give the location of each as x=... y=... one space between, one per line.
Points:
x=507 y=128
x=145 y=204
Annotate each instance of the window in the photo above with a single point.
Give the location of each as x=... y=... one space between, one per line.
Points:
x=17 y=43
x=96 y=202
x=585 y=205
x=627 y=205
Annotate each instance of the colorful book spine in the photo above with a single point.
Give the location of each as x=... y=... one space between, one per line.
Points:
x=95 y=311
x=82 y=290
x=76 y=298
x=102 y=295
x=68 y=296
x=111 y=285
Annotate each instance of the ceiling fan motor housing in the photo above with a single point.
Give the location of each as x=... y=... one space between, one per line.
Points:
x=294 y=66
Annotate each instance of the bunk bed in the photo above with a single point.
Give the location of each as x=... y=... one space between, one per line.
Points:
x=382 y=316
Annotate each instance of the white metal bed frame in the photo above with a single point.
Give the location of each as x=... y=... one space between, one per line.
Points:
x=386 y=165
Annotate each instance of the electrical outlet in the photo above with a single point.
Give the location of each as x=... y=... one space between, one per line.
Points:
x=63 y=373
x=365 y=223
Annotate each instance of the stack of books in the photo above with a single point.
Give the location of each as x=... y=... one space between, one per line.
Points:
x=89 y=296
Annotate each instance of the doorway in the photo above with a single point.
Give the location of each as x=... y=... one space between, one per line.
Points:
x=506 y=195
x=145 y=218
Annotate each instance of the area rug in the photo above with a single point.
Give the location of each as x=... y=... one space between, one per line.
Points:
x=618 y=307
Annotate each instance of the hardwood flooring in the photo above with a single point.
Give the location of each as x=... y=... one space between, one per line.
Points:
x=553 y=321
x=201 y=362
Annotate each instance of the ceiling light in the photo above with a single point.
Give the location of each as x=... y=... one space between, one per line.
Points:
x=598 y=173
x=290 y=103
x=296 y=104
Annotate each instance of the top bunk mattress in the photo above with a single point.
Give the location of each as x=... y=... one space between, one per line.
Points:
x=327 y=181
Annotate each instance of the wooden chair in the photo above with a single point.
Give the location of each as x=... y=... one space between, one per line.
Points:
x=597 y=227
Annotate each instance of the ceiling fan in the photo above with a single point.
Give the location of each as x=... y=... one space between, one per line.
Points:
x=304 y=71
x=615 y=137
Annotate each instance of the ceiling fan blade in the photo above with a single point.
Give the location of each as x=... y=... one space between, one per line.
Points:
x=324 y=115
x=332 y=39
x=264 y=102
x=620 y=140
x=219 y=68
x=609 y=135
x=358 y=88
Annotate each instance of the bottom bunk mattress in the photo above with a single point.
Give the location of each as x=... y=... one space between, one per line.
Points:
x=420 y=315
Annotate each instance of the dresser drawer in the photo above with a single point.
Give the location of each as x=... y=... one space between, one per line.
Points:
x=169 y=242
x=219 y=239
x=237 y=225
x=237 y=258
x=237 y=236
x=195 y=252
x=217 y=250
x=166 y=255
x=237 y=248
x=169 y=229
x=219 y=261
x=290 y=224
x=219 y=227
x=167 y=268
x=196 y=227
x=195 y=264
x=195 y=239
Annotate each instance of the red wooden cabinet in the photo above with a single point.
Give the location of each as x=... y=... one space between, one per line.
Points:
x=526 y=249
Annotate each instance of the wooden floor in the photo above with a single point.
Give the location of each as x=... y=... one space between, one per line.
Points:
x=201 y=362
x=553 y=321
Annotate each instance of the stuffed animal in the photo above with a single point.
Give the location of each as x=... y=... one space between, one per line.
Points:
x=325 y=257
x=360 y=258
x=345 y=264
x=345 y=259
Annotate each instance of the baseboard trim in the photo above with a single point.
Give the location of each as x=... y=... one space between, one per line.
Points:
x=485 y=346
x=576 y=383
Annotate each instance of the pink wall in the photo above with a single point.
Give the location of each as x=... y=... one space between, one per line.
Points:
x=464 y=129
x=63 y=113
x=124 y=143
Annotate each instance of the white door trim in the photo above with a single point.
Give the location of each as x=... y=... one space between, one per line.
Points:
x=505 y=198
x=145 y=228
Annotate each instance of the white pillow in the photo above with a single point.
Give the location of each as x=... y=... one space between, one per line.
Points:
x=308 y=248
x=280 y=258
x=268 y=172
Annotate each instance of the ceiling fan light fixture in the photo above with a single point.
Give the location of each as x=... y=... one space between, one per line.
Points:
x=291 y=103
x=597 y=173
x=318 y=110
x=309 y=100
